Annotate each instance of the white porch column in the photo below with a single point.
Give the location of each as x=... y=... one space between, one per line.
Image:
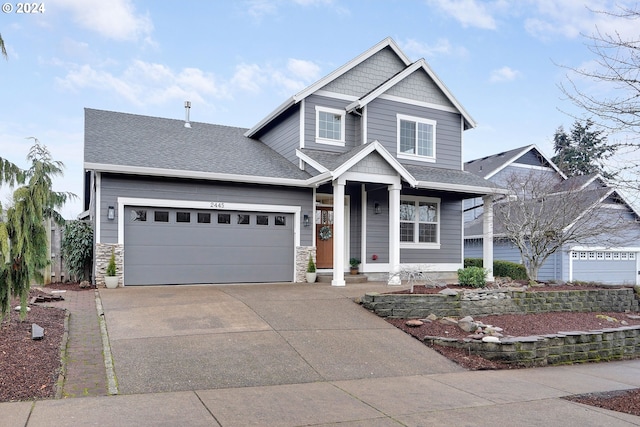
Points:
x=394 y=233
x=487 y=236
x=338 y=232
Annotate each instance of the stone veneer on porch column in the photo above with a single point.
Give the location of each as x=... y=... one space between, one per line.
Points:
x=394 y=233
x=338 y=232
x=487 y=236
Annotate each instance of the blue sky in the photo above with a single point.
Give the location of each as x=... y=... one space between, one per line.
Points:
x=236 y=61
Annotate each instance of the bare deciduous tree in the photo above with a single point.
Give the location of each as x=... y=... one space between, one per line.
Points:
x=542 y=217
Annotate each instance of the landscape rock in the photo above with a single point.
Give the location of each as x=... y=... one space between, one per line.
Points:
x=448 y=321
x=448 y=292
x=490 y=339
x=414 y=323
x=85 y=284
x=432 y=317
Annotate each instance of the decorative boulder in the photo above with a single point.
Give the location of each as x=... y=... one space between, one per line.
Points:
x=414 y=323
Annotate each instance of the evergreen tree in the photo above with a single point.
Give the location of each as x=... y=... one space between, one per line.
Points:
x=582 y=151
x=23 y=237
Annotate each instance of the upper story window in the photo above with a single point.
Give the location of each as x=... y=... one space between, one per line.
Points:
x=330 y=126
x=416 y=138
x=420 y=222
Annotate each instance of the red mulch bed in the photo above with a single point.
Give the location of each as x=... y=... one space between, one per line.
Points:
x=29 y=368
x=627 y=401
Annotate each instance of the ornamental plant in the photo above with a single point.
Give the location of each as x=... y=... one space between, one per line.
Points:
x=311 y=266
x=111 y=267
x=472 y=276
x=77 y=248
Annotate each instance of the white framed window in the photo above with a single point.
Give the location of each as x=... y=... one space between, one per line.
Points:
x=616 y=256
x=419 y=222
x=583 y=255
x=600 y=256
x=574 y=255
x=632 y=255
x=607 y=256
x=592 y=255
x=330 y=126
x=624 y=255
x=416 y=138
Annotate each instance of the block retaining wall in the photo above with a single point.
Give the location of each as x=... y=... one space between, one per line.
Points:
x=553 y=349
x=488 y=302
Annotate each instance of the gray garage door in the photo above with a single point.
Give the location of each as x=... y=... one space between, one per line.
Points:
x=613 y=268
x=182 y=246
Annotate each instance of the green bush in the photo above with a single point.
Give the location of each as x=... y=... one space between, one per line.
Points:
x=111 y=267
x=501 y=268
x=77 y=248
x=509 y=269
x=311 y=266
x=472 y=276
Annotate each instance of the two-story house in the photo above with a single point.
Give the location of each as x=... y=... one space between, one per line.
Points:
x=366 y=163
x=607 y=250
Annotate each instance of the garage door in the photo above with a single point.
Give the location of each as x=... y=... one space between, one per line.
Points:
x=613 y=268
x=182 y=246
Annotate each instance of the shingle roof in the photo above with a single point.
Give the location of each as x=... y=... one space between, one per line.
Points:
x=132 y=140
x=449 y=176
x=486 y=165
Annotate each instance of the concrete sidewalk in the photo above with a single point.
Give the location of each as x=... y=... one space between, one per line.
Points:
x=293 y=355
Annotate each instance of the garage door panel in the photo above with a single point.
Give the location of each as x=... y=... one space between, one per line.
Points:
x=175 y=253
x=614 y=268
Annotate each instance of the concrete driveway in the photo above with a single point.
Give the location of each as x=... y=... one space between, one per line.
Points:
x=178 y=338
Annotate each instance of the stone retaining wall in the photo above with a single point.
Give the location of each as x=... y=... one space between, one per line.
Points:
x=487 y=302
x=555 y=349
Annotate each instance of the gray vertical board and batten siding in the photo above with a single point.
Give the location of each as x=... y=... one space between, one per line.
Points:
x=114 y=186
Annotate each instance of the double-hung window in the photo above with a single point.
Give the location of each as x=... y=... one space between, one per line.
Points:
x=420 y=222
x=416 y=138
x=330 y=126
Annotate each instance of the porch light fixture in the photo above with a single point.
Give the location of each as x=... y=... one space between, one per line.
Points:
x=111 y=213
x=376 y=208
x=305 y=220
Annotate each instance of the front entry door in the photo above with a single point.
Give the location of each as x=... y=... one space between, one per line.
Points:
x=324 y=237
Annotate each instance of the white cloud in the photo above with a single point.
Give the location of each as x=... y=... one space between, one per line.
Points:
x=425 y=50
x=249 y=77
x=470 y=13
x=504 y=74
x=145 y=83
x=571 y=18
x=114 y=19
x=305 y=70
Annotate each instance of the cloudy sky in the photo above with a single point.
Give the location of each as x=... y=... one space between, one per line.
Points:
x=236 y=61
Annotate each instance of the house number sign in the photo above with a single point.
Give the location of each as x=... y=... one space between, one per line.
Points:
x=219 y=205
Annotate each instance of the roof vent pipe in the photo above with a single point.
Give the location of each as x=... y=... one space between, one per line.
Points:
x=187 y=107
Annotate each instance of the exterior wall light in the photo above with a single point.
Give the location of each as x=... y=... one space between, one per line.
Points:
x=305 y=220
x=376 y=208
x=111 y=213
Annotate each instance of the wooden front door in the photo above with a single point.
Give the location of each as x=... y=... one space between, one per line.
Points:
x=324 y=237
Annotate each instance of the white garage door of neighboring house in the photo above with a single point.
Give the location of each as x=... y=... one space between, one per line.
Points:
x=185 y=246
x=614 y=268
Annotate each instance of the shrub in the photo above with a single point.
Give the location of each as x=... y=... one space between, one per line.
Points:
x=77 y=248
x=311 y=266
x=509 y=269
x=111 y=267
x=501 y=268
x=472 y=276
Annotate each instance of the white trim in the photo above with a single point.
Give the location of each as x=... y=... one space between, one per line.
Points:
x=421 y=104
x=416 y=120
x=311 y=162
x=330 y=141
x=335 y=95
x=303 y=107
x=98 y=183
x=364 y=200
x=415 y=244
x=460 y=188
x=364 y=125
x=177 y=173
x=604 y=249
x=532 y=167
x=519 y=154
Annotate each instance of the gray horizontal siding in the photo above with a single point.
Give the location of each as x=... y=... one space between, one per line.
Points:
x=114 y=186
x=310 y=124
x=382 y=126
x=284 y=137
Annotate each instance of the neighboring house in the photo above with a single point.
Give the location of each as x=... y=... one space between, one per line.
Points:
x=610 y=257
x=365 y=163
